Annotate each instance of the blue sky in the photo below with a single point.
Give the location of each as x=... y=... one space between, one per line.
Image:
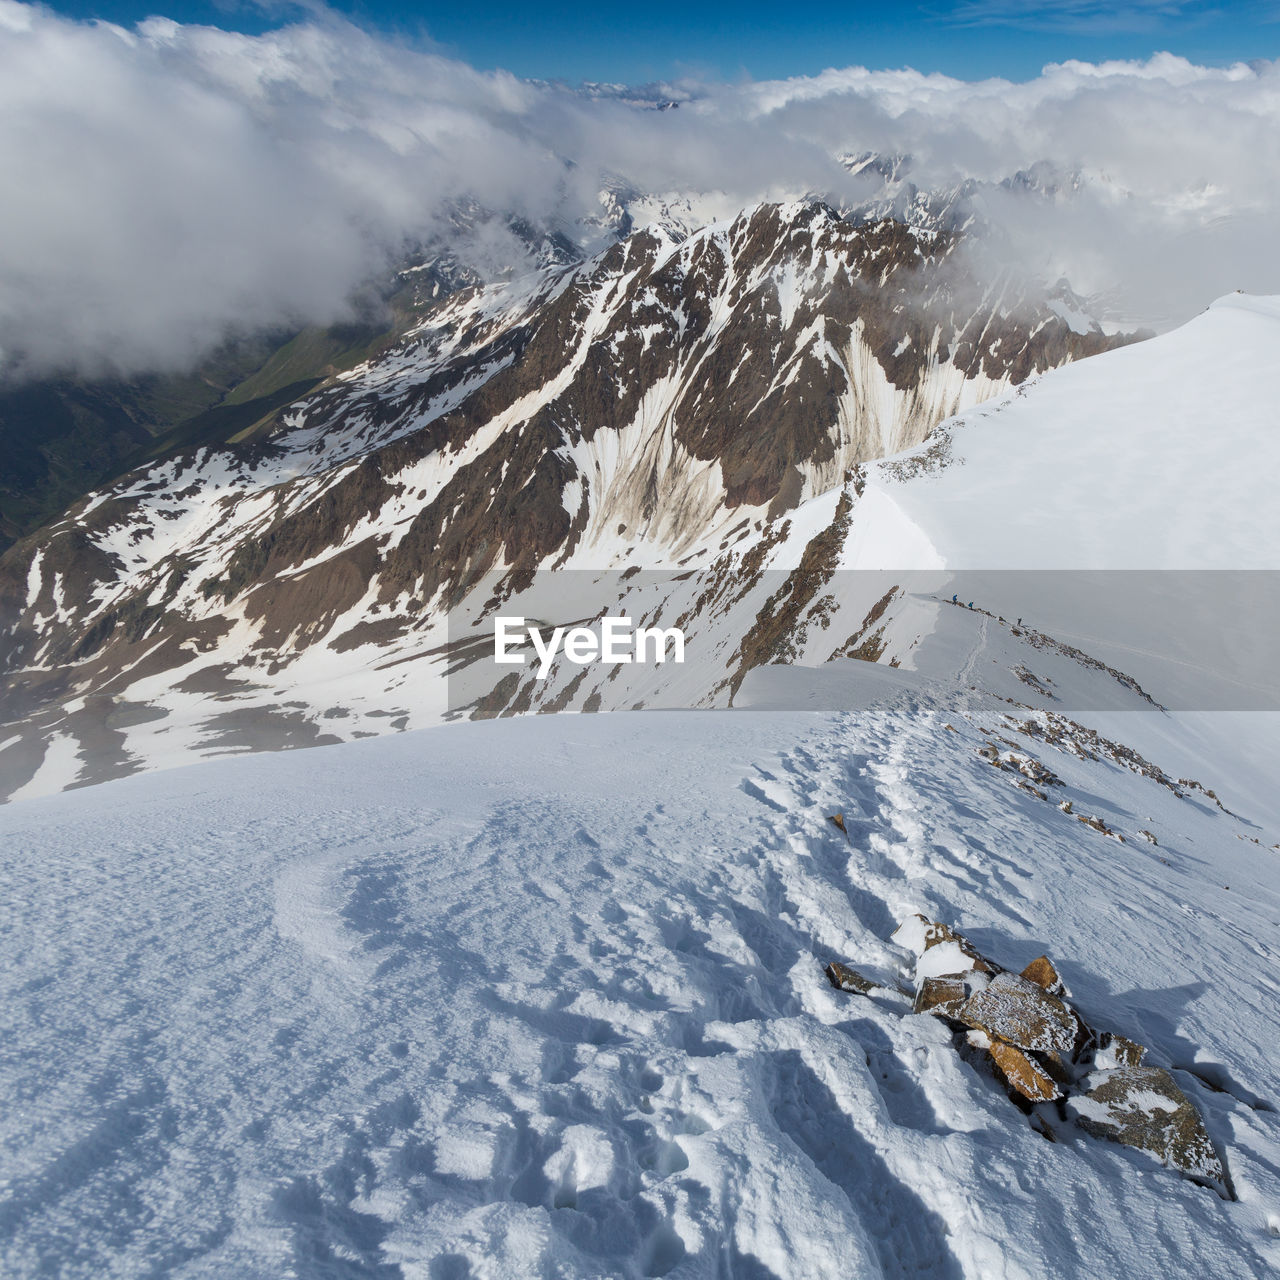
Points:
x=661 y=40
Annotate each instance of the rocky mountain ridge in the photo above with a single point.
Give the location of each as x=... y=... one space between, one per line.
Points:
x=643 y=410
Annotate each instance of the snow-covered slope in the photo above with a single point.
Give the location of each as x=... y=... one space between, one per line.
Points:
x=544 y=997
x=1158 y=460
x=1161 y=455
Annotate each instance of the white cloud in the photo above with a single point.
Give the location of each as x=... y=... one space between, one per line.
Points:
x=167 y=185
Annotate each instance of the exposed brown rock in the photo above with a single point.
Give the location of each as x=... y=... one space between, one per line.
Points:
x=1022 y=1074
x=1042 y=972
x=1040 y=1047
x=937 y=933
x=755 y=399
x=1125 y=1052
x=837 y=820
x=774 y=635
x=943 y=997
x=845 y=979
x=867 y=644
x=1022 y=1013
x=1059 y=1066
x=1098 y=824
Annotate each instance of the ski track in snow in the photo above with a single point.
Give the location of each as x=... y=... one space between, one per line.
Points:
x=544 y=998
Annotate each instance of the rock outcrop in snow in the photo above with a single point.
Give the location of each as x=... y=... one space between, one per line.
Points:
x=1029 y=1034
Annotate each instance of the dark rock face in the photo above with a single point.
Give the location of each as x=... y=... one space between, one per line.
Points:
x=844 y=978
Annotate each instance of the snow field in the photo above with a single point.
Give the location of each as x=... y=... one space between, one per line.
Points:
x=545 y=997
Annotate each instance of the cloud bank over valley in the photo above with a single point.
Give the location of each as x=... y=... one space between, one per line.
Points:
x=169 y=186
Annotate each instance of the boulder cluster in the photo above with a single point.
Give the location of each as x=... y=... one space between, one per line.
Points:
x=1055 y=1065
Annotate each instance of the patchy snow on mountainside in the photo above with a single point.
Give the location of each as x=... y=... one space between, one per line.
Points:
x=545 y=996
x=665 y=405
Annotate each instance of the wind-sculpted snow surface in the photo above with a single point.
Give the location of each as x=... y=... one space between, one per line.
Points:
x=546 y=997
